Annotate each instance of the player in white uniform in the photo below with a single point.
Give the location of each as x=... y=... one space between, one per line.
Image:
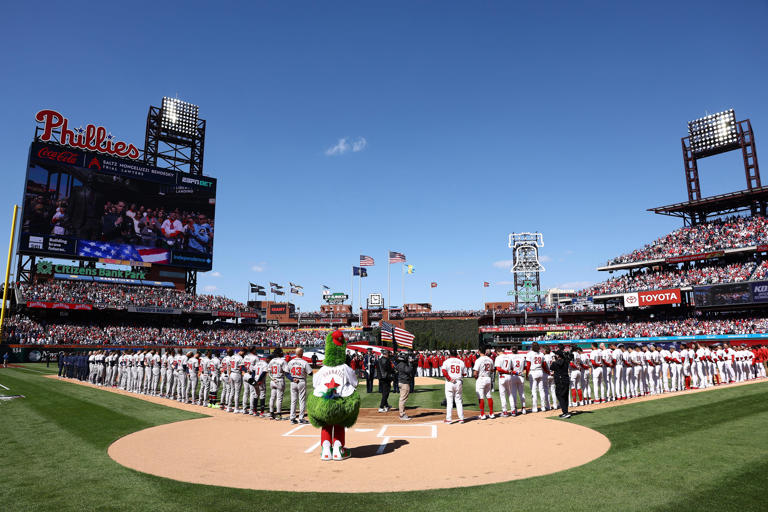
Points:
x=585 y=369
x=482 y=372
x=577 y=394
x=664 y=358
x=453 y=369
x=193 y=368
x=609 y=369
x=503 y=364
x=517 y=364
x=205 y=380
x=549 y=379
x=155 y=365
x=598 y=382
x=147 y=384
x=235 y=381
x=259 y=370
x=298 y=369
x=535 y=370
x=181 y=377
x=214 y=364
x=277 y=369
x=225 y=387
x=248 y=389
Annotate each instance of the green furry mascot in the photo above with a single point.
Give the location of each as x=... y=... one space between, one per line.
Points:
x=335 y=403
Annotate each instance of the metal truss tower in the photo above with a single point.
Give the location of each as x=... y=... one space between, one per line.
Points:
x=526 y=266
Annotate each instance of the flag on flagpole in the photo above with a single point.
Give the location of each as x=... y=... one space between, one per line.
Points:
x=433 y=285
x=366 y=261
x=326 y=287
x=255 y=288
x=486 y=284
x=402 y=337
x=386 y=331
x=410 y=269
x=396 y=257
x=277 y=292
x=359 y=271
x=275 y=285
x=294 y=285
x=296 y=291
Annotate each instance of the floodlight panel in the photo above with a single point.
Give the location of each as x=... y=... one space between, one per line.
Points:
x=713 y=132
x=179 y=116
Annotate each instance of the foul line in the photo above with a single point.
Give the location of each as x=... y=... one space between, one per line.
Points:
x=30 y=370
x=5 y=388
x=382 y=446
x=312 y=448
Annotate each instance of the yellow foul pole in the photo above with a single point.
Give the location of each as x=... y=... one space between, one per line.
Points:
x=8 y=265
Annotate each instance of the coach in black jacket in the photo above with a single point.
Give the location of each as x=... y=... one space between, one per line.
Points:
x=559 y=368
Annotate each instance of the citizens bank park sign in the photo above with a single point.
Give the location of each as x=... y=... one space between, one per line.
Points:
x=91 y=138
x=652 y=298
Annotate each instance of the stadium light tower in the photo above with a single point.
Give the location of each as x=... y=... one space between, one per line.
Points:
x=715 y=134
x=526 y=266
x=175 y=139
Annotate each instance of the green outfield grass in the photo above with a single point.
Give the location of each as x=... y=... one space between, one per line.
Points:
x=703 y=451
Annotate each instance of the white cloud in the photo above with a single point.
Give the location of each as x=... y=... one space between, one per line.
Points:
x=503 y=263
x=215 y=274
x=258 y=268
x=544 y=258
x=210 y=288
x=346 y=144
x=575 y=285
x=505 y=282
x=569 y=251
x=359 y=144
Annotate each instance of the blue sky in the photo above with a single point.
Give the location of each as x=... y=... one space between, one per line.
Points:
x=470 y=120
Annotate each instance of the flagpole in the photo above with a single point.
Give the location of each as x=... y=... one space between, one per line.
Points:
x=402 y=287
x=360 y=299
x=352 y=291
x=483 y=295
x=430 y=294
x=389 y=286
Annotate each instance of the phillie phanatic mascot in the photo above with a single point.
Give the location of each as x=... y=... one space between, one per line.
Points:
x=335 y=402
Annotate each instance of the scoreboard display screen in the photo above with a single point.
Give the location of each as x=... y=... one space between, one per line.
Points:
x=89 y=206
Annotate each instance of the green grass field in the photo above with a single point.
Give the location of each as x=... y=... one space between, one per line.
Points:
x=704 y=451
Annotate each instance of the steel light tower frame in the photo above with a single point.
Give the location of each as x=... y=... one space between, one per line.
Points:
x=175 y=139
x=712 y=135
x=526 y=266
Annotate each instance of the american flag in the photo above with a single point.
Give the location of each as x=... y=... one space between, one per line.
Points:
x=366 y=261
x=396 y=257
x=125 y=252
x=402 y=337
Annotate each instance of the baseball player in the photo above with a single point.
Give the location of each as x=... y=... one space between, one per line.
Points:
x=170 y=361
x=517 y=363
x=155 y=372
x=225 y=384
x=665 y=357
x=503 y=364
x=235 y=380
x=193 y=367
x=147 y=377
x=482 y=372
x=609 y=370
x=214 y=365
x=248 y=359
x=598 y=382
x=577 y=395
x=453 y=369
x=535 y=369
x=298 y=369
x=181 y=377
x=205 y=379
x=549 y=379
x=585 y=367
x=259 y=370
x=277 y=370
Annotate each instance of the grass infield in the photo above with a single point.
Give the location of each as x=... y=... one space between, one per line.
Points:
x=703 y=451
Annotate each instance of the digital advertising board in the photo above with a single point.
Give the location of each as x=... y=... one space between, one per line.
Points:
x=91 y=206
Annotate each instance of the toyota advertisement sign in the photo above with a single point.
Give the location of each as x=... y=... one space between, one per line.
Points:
x=652 y=298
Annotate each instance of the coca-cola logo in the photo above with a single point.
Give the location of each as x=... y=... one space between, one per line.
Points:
x=91 y=138
x=67 y=157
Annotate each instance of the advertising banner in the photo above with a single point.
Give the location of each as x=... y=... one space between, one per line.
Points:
x=652 y=298
x=153 y=310
x=694 y=257
x=748 y=292
x=86 y=205
x=530 y=328
x=59 y=305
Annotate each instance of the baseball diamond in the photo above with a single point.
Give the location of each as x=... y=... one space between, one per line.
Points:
x=384 y=256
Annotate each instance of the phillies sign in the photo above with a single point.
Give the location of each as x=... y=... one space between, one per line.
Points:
x=90 y=138
x=653 y=298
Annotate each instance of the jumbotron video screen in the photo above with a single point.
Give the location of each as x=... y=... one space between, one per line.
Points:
x=84 y=205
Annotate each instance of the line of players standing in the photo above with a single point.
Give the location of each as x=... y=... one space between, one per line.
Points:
x=237 y=381
x=616 y=372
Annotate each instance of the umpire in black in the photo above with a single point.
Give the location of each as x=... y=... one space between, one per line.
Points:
x=560 y=369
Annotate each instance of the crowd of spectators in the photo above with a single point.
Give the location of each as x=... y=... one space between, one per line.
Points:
x=719 y=234
x=119 y=222
x=21 y=329
x=118 y=296
x=678 y=278
x=679 y=327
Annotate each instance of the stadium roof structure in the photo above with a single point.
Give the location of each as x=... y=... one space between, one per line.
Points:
x=722 y=204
